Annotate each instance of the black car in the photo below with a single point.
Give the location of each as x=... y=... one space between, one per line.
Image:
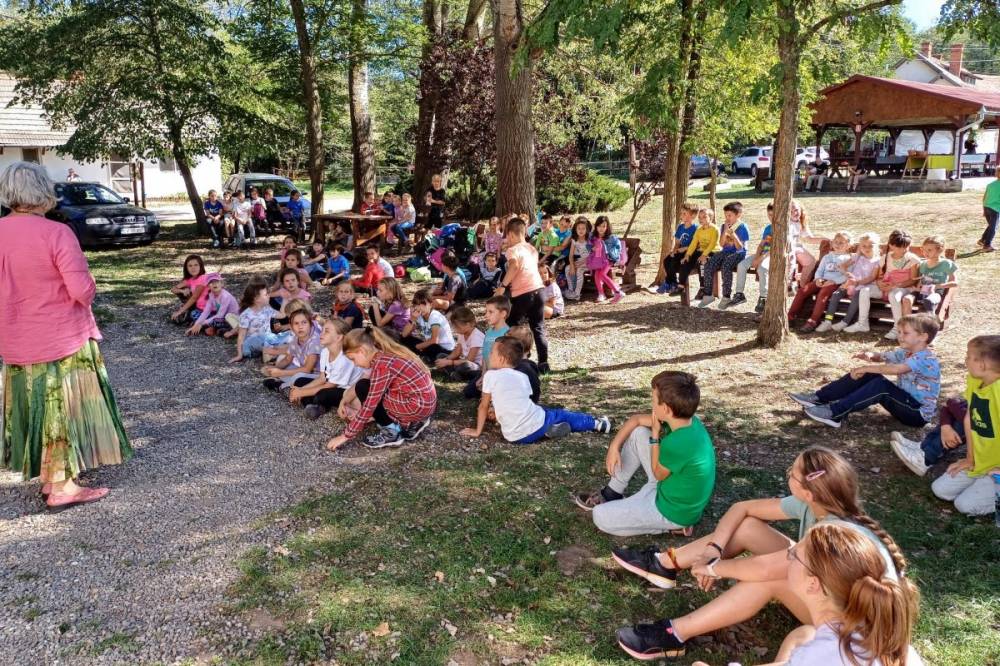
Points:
x=100 y=217
x=701 y=166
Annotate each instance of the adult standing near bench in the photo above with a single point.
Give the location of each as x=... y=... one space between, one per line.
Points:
x=991 y=211
x=60 y=417
x=526 y=287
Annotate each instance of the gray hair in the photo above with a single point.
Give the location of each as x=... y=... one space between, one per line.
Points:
x=27 y=185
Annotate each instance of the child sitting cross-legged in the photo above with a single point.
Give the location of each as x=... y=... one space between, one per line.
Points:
x=452 y=290
x=368 y=282
x=674 y=450
x=301 y=356
x=389 y=310
x=337 y=267
x=824 y=491
x=466 y=359
x=429 y=333
x=220 y=308
x=337 y=373
x=912 y=399
x=521 y=420
x=830 y=274
x=489 y=277
x=254 y=324
x=346 y=307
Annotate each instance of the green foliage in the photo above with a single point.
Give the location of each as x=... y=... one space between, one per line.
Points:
x=979 y=18
x=596 y=193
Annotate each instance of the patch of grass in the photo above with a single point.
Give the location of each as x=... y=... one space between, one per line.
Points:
x=122 y=642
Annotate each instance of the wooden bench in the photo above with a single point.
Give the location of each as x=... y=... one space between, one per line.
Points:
x=626 y=272
x=716 y=290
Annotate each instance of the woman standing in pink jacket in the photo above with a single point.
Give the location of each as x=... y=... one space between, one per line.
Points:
x=59 y=413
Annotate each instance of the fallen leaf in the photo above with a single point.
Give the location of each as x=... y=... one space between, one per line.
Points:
x=381 y=630
x=547 y=540
x=439 y=575
x=449 y=627
x=492 y=581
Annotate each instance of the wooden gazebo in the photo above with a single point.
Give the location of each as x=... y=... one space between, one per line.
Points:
x=863 y=103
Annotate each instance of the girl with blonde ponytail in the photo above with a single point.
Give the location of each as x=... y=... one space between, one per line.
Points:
x=398 y=393
x=824 y=489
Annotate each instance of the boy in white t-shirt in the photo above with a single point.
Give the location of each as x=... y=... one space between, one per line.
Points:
x=466 y=358
x=521 y=420
x=429 y=334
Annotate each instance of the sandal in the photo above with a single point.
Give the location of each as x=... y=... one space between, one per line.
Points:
x=57 y=503
x=684 y=531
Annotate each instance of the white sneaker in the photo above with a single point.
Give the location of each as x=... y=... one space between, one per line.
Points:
x=706 y=301
x=601 y=299
x=913 y=459
x=857 y=327
x=839 y=326
x=824 y=326
x=893 y=334
x=724 y=303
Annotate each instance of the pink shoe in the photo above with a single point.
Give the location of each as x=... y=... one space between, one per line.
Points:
x=58 y=503
x=47 y=489
x=617 y=297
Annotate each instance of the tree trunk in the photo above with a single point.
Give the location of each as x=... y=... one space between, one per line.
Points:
x=362 y=146
x=434 y=17
x=774 y=322
x=237 y=161
x=515 y=132
x=313 y=106
x=184 y=166
x=475 y=17
x=713 y=184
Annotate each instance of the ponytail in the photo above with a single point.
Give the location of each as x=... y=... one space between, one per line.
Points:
x=376 y=339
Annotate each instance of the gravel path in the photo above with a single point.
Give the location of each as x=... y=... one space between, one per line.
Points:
x=141 y=576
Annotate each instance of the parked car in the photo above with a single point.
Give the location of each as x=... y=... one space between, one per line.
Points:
x=804 y=155
x=100 y=216
x=701 y=166
x=281 y=186
x=751 y=159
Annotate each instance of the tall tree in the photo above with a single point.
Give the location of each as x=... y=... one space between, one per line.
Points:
x=362 y=145
x=426 y=158
x=514 y=96
x=308 y=79
x=135 y=78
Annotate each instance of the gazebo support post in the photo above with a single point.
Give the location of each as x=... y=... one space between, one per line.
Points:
x=927 y=139
x=820 y=131
x=894 y=133
x=956 y=150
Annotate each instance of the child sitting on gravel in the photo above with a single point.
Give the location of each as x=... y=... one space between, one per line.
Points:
x=389 y=310
x=300 y=358
x=220 y=305
x=254 y=321
x=345 y=305
x=466 y=359
x=337 y=373
x=679 y=466
x=526 y=366
x=429 y=334
x=192 y=290
x=521 y=420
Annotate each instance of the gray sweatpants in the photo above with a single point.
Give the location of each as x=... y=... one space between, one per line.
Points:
x=636 y=514
x=972 y=495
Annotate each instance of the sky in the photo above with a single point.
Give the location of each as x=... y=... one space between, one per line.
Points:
x=922 y=12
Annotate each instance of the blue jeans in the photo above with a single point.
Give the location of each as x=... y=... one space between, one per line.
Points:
x=932 y=447
x=400 y=230
x=254 y=344
x=846 y=395
x=991 y=225
x=577 y=421
x=316 y=271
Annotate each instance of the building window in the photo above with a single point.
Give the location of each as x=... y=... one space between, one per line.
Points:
x=168 y=164
x=30 y=155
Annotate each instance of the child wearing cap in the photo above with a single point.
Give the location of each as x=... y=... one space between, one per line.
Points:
x=220 y=303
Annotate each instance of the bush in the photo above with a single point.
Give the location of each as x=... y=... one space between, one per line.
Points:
x=595 y=194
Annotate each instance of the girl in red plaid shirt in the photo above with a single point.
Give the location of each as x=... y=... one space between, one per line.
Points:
x=398 y=393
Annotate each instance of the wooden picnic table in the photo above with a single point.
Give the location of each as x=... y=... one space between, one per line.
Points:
x=364 y=228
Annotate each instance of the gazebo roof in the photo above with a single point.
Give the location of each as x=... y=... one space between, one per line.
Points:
x=886 y=103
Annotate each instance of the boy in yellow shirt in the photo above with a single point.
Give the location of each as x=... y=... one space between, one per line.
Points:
x=968 y=482
x=704 y=243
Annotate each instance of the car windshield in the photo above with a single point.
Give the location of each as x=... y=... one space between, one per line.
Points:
x=86 y=194
x=282 y=188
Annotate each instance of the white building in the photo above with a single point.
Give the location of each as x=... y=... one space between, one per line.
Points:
x=923 y=67
x=25 y=134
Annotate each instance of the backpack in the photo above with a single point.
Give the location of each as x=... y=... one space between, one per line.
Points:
x=257 y=213
x=622 y=256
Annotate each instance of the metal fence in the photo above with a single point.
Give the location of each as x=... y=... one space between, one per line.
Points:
x=611 y=168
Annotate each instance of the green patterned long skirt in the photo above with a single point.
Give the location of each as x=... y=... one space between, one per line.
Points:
x=60 y=418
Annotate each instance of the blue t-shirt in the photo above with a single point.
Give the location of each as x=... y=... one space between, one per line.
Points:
x=683 y=235
x=743 y=233
x=390 y=209
x=339 y=265
x=488 y=340
x=562 y=236
x=765 y=239
x=213 y=207
x=923 y=381
x=295 y=207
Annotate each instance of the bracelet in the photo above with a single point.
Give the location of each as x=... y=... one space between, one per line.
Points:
x=716 y=546
x=673 y=558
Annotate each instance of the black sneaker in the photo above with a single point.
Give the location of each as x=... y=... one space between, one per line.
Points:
x=272 y=384
x=557 y=430
x=385 y=437
x=760 y=305
x=314 y=411
x=544 y=369
x=646 y=564
x=647 y=642
x=412 y=431
x=737 y=299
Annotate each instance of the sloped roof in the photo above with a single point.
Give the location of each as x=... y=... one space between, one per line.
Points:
x=988 y=82
x=25 y=125
x=895 y=103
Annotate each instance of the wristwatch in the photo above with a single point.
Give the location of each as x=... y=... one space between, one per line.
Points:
x=653 y=440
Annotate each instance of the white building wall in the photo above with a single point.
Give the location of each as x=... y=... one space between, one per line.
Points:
x=940 y=143
x=914 y=70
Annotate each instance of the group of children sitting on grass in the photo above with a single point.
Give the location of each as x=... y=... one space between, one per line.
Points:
x=852 y=271
x=844 y=578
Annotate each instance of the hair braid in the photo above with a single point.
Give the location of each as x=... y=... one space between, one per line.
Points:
x=898 y=559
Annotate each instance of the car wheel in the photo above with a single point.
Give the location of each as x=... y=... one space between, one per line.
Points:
x=753 y=170
x=735 y=168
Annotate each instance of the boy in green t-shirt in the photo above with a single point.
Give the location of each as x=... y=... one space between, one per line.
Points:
x=991 y=211
x=676 y=452
x=969 y=483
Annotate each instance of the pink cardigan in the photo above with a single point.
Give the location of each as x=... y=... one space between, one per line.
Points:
x=45 y=291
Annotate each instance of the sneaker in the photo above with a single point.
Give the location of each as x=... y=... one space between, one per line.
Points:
x=412 y=431
x=389 y=436
x=822 y=414
x=896 y=436
x=647 y=642
x=807 y=327
x=233 y=321
x=857 y=327
x=645 y=564
x=215 y=244
x=617 y=297
x=738 y=299
x=544 y=369
x=570 y=296
x=557 y=430
x=313 y=412
x=806 y=399
x=699 y=295
x=824 y=326
x=893 y=334
x=724 y=303
x=839 y=326
x=760 y=305
x=272 y=384
x=913 y=459
x=601 y=299
x=664 y=288
x=587 y=501
x=603 y=424
x=706 y=301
